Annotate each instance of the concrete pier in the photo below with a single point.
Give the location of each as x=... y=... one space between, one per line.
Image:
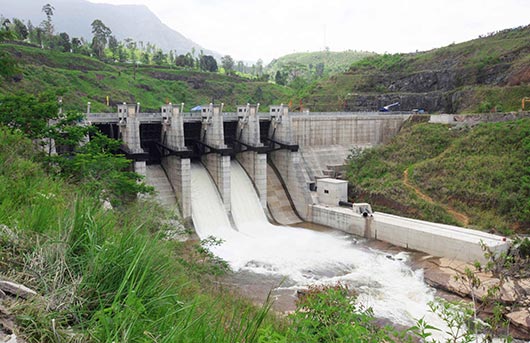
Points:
x=177 y=168
x=217 y=163
x=251 y=158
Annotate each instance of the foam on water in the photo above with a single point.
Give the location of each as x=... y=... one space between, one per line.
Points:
x=388 y=285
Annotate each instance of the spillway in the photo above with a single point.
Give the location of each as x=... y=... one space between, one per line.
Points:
x=389 y=286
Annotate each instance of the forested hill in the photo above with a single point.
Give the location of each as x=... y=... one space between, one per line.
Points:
x=84 y=78
x=484 y=74
x=126 y=21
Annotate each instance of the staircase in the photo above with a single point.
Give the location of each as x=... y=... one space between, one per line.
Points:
x=156 y=177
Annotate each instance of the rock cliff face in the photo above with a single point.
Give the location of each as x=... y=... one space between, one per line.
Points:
x=490 y=72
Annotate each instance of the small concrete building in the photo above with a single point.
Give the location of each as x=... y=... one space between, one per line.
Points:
x=331 y=191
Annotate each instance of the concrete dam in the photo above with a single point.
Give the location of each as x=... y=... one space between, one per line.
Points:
x=290 y=158
x=243 y=177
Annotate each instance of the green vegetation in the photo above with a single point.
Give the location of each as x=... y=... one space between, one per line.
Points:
x=384 y=62
x=84 y=79
x=102 y=275
x=301 y=71
x=318 y=64
x=481 y=172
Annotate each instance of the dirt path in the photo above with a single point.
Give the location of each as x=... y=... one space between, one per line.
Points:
x=460 y=217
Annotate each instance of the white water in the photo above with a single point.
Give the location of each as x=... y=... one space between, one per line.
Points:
x=389 y=286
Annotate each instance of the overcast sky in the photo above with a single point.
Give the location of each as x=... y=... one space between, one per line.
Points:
x=252 y=29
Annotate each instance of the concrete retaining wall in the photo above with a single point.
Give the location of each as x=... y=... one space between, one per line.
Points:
x=342 y=219
x=327 y=139
x=431 y=238
x=333 y=129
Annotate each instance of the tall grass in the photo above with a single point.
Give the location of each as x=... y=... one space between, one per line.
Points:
x=103 y=276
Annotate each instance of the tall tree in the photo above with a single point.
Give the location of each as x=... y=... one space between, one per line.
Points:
x=259 y=67
x=113 y=46
x=240 y=67
x=101 y=35
x=171 y=57
x=131 y=45
x=228 y=64
x=47 y=25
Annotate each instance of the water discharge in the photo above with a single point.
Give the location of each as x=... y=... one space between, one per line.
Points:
x=389 y=286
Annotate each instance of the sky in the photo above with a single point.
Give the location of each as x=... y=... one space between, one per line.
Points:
x=252 y=29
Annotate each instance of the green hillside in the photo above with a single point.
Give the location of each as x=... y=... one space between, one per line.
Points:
x=484 y=74
x=434 y=172
x=333 y=62
x=86 y=79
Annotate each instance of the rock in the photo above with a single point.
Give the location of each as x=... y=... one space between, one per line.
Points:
x=521 y=320
x=16 y=289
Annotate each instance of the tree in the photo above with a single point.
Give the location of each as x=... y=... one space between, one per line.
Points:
x=228 y=64
x=208 y=63
x=30 y=114
x=5 y=24
x=122 y=53
x=39 y=37
x=76 y=44
x=20 y=29
x=146 y=58
x=159 y=57
x=280 y=78
x=98 y=169
x=319 y=69
x=47 y=24
x=259 y=67
x=184 y=60
x=63 y=41
x=130 y=44
x=101 y=34
x=113 y=46
x=171 y=57
x=240 y=67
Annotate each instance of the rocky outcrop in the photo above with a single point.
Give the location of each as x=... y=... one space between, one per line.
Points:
x=448 y=275
x=451 y=79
